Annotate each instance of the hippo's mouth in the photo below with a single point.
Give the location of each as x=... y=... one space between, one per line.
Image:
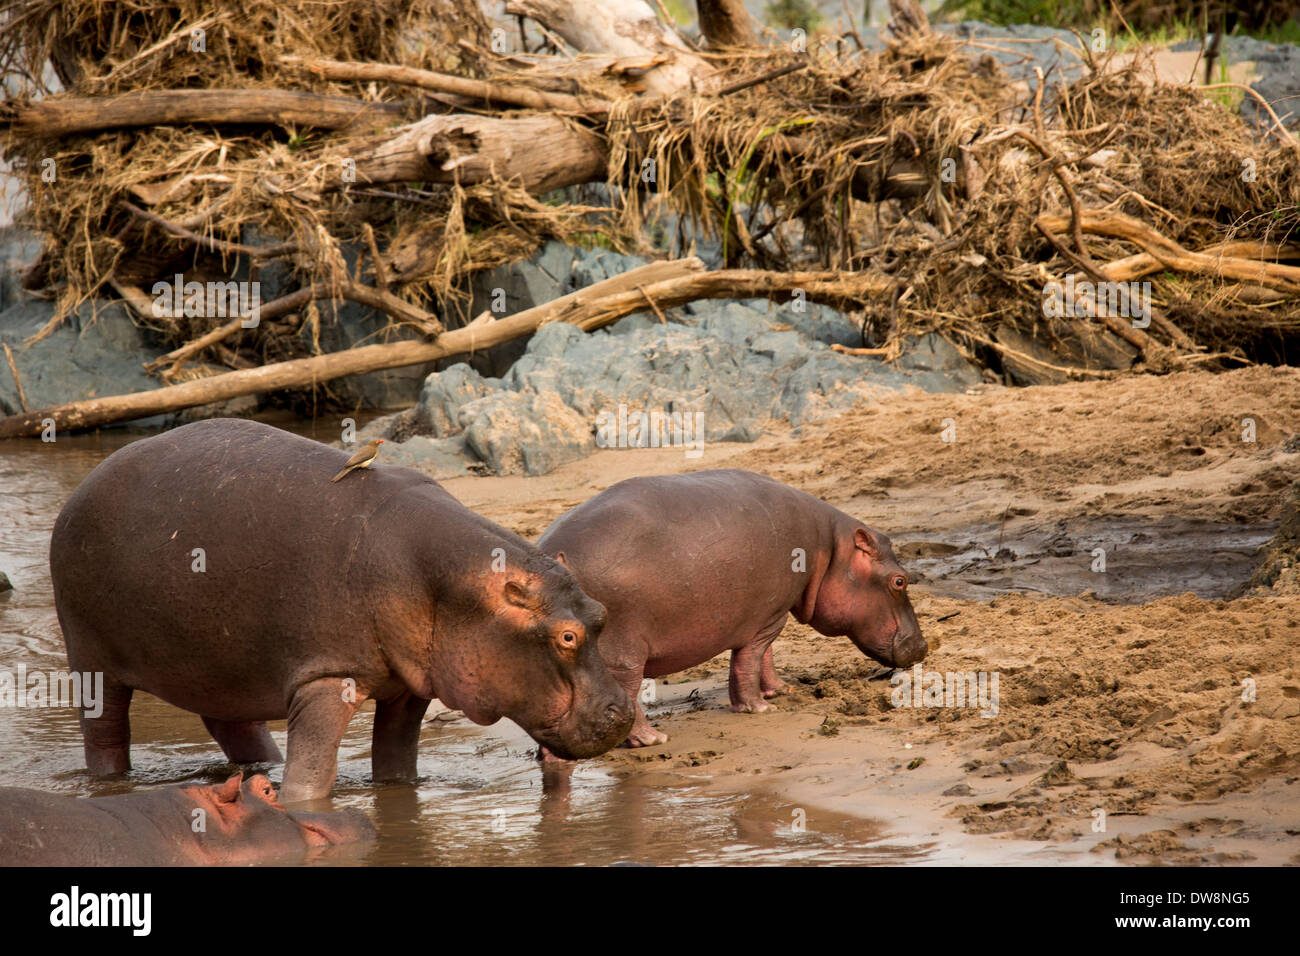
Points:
x=315 y=836
x=317 y=832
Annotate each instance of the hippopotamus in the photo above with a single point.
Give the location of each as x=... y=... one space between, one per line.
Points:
x=236 y=822
x=691 y=565
x=217 y=567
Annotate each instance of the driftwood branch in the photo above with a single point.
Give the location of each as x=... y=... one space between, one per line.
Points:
x=18 y=382
x=74 y=115
x=400 y=310
x=1173 y=256
x=483 y=90
x=207 y=242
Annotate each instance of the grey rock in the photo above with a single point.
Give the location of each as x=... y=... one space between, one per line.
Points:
x=636 y=322
x=553 y=339
x=942 y=368
x=734 y=323
x=439 y=458
x=525 y=434
x=442 y=396
x=824 y=324
x=85 y=357
x=595 y=265
x=5 y=583
x=785 y=349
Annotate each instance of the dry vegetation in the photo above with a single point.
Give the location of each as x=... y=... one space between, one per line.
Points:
x=944 y=195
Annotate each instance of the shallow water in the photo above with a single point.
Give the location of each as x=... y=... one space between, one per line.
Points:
x=481 y=799
x=1143 y=558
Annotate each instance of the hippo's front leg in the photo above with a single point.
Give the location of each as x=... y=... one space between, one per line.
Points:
x=395 y=741
x=319 y=712
x=641 y=734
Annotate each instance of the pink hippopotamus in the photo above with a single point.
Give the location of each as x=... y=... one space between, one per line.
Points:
x=236 y=822
x=689 y=566
x=218 y=567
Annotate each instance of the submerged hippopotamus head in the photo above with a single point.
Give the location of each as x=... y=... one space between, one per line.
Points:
x=864 y=596
x=536 y=662
x=243 y=821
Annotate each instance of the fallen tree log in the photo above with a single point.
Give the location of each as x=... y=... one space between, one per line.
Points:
x=660 y=284
x=68 y=116
x=399 y=309
x=540 y=152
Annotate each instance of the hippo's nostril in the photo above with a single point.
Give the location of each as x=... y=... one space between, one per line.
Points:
x=910 y=649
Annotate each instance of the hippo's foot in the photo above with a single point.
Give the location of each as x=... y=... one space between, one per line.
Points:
x=751 y=706
x=775 y=690
x=645 y=736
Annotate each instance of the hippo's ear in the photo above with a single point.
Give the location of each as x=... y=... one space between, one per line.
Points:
x=863 y=541
x=559 y=556
x=520 y=594
x=229 y=791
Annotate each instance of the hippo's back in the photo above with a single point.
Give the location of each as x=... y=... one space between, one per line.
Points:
x=682 y=513
x=220 y=555
x=43 y=829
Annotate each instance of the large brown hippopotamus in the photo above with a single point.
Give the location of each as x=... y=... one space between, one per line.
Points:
x=217 y=567
x=233 y=823
x=691 y=565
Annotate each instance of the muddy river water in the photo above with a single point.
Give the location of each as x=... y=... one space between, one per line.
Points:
x=481 y=798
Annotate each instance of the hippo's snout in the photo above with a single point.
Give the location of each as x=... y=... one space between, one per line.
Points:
x=597 y=734
x=331 y=829
x=909 y=648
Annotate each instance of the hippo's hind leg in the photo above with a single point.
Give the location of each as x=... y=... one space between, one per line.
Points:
x=767 y=678
x=244 y=741
x=319 y=712
x=746 y=683
x=107 y=736
x=395 y=741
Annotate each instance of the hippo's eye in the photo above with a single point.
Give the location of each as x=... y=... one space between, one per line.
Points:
x=899 y=582
x=568 y=640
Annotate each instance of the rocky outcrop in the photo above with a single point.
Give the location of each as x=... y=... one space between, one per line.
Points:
x=719 y=371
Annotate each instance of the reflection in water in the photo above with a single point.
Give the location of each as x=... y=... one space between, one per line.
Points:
x=485 y=805
x=481 y=802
